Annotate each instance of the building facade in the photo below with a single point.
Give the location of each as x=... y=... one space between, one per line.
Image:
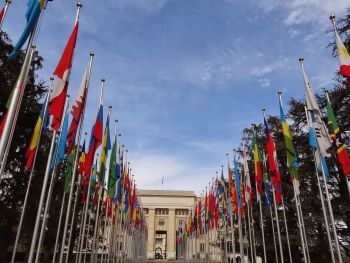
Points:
x=164 y=210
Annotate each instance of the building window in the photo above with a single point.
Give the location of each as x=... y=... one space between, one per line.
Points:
x=146 y=211
x=162 y=211
x=181 y=222
x=161 y=222
x=159 y=241
x=181 y=212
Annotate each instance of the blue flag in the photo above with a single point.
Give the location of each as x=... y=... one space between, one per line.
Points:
x=238 y=183
x=63 y=141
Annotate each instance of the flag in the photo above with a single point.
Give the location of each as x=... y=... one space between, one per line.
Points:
x=238 y=183
x=342 y=153
x=63 y=142
x=272 y=161
x=113 y=174
x=321 y=132
x=343 y=56
x=77 y=110
x=257 y=165
x=34 y=141
x=62 y=71
x=82 y=164
x=95 y=142
x=292 y=159
x=69 y=173
x=32 y=16
x=247 y=186
x=106 y=146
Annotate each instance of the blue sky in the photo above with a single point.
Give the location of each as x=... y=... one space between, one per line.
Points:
x=185 y=77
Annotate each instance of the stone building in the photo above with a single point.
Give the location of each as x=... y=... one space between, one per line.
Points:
x=164 y=210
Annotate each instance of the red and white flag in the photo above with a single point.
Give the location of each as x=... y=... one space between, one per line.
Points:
x=58 y=95
x=77 y=111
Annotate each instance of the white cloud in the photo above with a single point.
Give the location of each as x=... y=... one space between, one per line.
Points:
x=264 y=82
x=270 y=68
x=145 y=5
x=305 y=11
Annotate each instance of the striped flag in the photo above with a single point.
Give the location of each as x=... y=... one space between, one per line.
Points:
x=30 y=154
x=292 y=159
x=106 y=146
x=32 y=15
x=343 y=55
x=62 y=71
x=77 y=111
x=273 y=165
x=113 y=172
x=257 y=165
x=342 y=153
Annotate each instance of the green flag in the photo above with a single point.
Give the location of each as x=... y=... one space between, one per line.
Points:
x=290 y=150
x=112 y=171
x=332 y=121
x=70 y=161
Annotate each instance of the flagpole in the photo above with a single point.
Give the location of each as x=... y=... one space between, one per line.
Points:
x=303 y=228
x=8 y=2
x=274 y=235
x=76 y=158
x=59 y=226
x=52 y=182
x=3 y=159
x=297 y=204
x=287 y=235
x=17 y=95
x=301 y=60
x=87 y=232
x=42 y=197
x=299 y=220
x=261 y=223
x=276 y=214
x=100 y=192
x=19 y=228
x=87 y=200
x=80 y=233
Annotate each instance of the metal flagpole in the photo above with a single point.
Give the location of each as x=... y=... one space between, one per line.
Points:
x=321 y=196
x=76 y=158
x=59 y=225
x=100 y=193
x=87 y=234
x=277 y=223
x=287 y=235
x=19 y=228
x=8 y=2
x=299 y=220
x=241 y=251
x=84 y=220
x=274 y=235
x=17 y=95
x=42 y=196
x=52 y=181
x=233 y=235
x=331 y=216
x=25 y=68
x=303 y=228
x=250 y=235
x=261 y=223
x=80 y=234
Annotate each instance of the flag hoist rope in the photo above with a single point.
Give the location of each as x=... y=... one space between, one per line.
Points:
x=19 y=228
x=76 y=160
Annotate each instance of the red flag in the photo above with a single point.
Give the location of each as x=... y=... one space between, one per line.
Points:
x=77 y=111
x=271 y=156
x=58 y=95
x=344 y=160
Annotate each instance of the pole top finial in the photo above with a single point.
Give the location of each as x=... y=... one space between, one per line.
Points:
x=301 y=59
x=109 y=107
x=85 y=133
x=123 y=145
x=92 y=54
x=116 y=120
x=8 y=1
x=68 y=96
x=79 y=5
x=263 y=109
x=33 y=46
x=119 y=135
x=227 y=154
x=52 y=78
x=279 y=92
x=332 y=17
x=127 y=151
x=103 y=80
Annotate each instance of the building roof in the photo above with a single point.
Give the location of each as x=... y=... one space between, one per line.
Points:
x=166 y=193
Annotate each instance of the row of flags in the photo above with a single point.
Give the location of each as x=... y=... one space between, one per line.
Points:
x=106 y=180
